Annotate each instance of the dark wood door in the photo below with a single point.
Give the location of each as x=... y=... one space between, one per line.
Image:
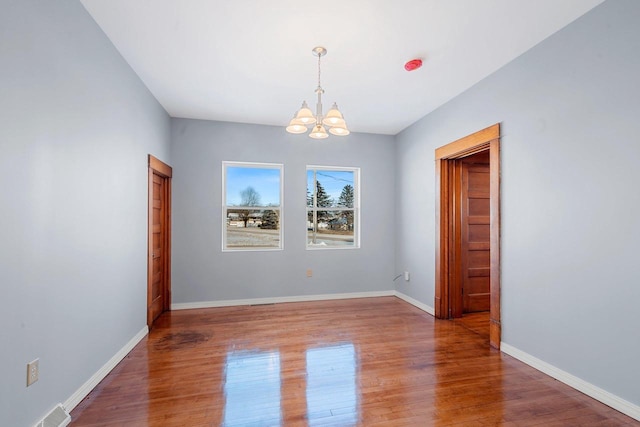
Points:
x=475 y=234
x=156 y=302
x=159 y=261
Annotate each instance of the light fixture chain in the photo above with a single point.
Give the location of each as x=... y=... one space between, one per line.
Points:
x=319 y=56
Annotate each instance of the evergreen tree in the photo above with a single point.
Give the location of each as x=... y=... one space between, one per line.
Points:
x=346 y=197
x=346 y=201
x=270 y=220
x=323 y=200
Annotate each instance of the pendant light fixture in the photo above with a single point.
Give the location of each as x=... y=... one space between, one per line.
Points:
x=304 y=116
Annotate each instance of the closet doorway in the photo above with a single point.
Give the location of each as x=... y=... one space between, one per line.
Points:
x=468 y=228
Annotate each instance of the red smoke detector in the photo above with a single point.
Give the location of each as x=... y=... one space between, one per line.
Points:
x=414 y=64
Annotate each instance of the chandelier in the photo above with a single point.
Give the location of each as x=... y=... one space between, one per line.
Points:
x=304 y=116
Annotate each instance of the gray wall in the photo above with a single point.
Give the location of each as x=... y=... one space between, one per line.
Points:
x=570 y=152
x=76 y=125
x=202 y=272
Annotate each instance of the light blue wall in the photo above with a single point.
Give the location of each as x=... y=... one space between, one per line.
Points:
x=76 y=125
x=202 y=272
x=570 y=152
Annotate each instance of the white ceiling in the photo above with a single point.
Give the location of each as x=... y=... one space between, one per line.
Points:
x=250 y=61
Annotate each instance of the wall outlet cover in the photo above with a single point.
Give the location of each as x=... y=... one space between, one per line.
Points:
x=33 y=371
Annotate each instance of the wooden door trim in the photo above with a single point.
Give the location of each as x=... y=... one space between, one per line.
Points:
x=445 y=158
x=160 y=168
x=495 y=322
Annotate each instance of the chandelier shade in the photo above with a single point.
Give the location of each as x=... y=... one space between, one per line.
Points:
x=334 y=117
x=304 y=117
x=339 y=131
x=296 y=126
x=319 y=132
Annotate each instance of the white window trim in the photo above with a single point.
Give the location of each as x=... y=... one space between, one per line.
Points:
x=356 y=208
x=279 y=166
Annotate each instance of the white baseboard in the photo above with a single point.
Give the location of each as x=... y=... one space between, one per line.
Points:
x=276 y=300
x=579 y=384
x=302 y=298
x=86 y=388
x=416 y=303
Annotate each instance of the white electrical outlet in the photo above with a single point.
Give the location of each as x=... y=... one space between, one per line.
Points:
x=33 y=370
x=406 y=276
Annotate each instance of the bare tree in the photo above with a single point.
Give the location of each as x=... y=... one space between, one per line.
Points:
x=248 y=197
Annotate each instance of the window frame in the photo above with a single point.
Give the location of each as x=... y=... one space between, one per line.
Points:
x=355 y=209
x=225 y=207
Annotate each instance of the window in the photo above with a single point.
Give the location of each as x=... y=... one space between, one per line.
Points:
x=252 y=206
x=333 y=214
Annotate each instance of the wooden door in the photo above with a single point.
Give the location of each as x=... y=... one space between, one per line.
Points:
x=475 y=254
x=159 y=251
x=448 y=293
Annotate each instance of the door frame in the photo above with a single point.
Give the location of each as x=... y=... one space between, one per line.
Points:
x=447 y=265
x=159 y=168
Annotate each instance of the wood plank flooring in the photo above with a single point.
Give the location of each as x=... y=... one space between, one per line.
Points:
x=365 y=362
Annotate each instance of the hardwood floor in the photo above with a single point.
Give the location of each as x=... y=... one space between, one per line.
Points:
x=366 y=362
x=477 y=323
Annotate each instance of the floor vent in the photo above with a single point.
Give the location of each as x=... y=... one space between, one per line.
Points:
x=56 y=418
